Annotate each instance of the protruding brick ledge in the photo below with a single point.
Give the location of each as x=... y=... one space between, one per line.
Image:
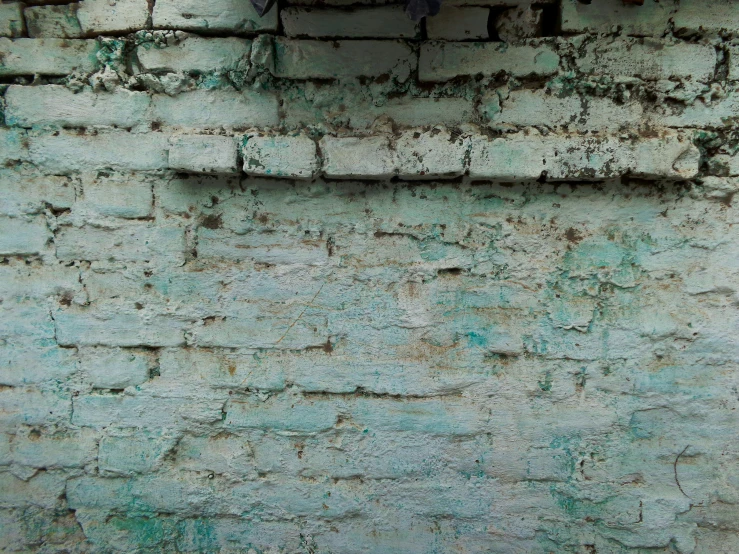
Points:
x=413 y=154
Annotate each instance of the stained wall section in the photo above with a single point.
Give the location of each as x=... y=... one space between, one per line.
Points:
x=332 y=281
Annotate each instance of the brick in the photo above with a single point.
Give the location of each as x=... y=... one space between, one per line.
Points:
x=20 y=282
x=11 y=20
x=441 y=61
x=693 y=17
x=459 y=24
x=124 y=411
x=357 y=157
x=231 y=16
x=512 y=158
x=23 y=236
x=49 y=56
x=286 y=156
x=374 y=22
x=265 y=331
x=221 y=370
x=195 y=54
x=58 y=106
x=53 y=21
x=203 y=154
x=221 y=454
x=517 y=24
x=74 y=449
x=68 y=153
x=129 y=455
x=281 y=414
x=733 y=54
x=649 y=59
x=79 y=328
x=314 y=59
x=28 y=406
x=115 y=368
x=30 y=362
x=433 y=416
x=404 y=111
x=535 y=108
x=717 y=114
x=205 y=109
x=431 y=155
x=120 y=16
x=113 y=196
x=14 y=146
x=651 y=19
x=41 y=491
x=33 y=193
x=129 y=244
x=265 y=248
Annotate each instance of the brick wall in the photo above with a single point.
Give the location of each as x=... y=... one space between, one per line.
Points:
x=330 y=281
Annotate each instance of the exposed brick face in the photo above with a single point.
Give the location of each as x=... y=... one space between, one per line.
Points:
x=329 y=280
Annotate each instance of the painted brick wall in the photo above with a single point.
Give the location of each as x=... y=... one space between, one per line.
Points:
x=329 y=281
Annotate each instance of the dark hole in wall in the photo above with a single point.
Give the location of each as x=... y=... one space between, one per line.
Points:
x=550 y=25
x=493 y=35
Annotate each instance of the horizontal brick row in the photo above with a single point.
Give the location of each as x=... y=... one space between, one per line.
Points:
x=649 y=59
x=414 y=154
x=458 y=20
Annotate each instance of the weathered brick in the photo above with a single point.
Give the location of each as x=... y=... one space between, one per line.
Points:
x=441 y=61
x=528 y=108
x=58 y=106
x=195 y=54
x=128 y=244
x=14 y=146
x=222 y=370
x=431 y=155
x=459 y=24
x=517 y=24
x=374 y=22
x=42 y=490
x=67 y=153
x=223 y=454
x=648 y=20
x=23 y=236
x=281 y=414
x=34 y=193
x=649 y=59
x=49 y=56
x=314 y=59
x=203 y=154
x=204 y=109
x=717 y=114
x=124 y=411
x=268 y=248
x=53 y=21
x=28 y=406
x=80 y=328
x=693 y=17
x=231 y=16
x=358 y=157
x=433 y=416
x=112 y=196
x=287 y=156
x=733 y=54
x=116 y=368
x=102 y=16
x=11 y=20
x=513 y=158
x=132 y=454
x=74 y=449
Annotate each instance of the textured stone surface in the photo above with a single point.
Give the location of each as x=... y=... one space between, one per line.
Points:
x=11 y=20
x=267 y=292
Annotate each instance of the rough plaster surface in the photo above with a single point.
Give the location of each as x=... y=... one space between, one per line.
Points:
x=333 y=287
